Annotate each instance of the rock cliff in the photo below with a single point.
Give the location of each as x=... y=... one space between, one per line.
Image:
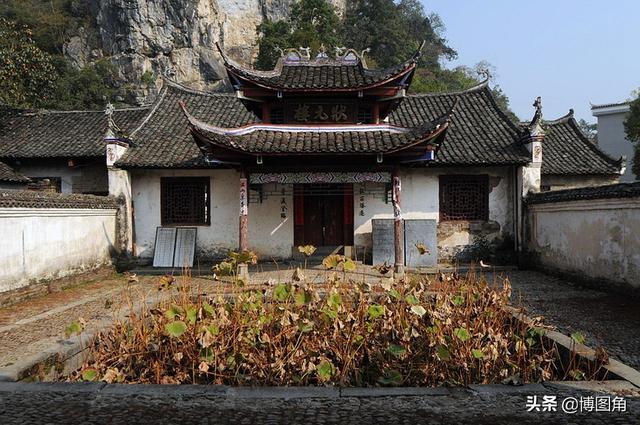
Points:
x=145 y=38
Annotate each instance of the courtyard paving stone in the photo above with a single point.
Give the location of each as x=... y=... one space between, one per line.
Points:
x=606 y=319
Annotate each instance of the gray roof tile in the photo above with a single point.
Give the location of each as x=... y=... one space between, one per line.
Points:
x=8 y=174
x=48 y=134
x=566 y=150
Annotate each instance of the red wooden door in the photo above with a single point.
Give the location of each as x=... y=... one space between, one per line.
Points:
x=320 y=213
x=313 y=220
x=332 y=226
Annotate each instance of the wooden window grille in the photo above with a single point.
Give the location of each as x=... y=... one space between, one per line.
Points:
x=185 y=201
x=464 y=197
x=365 y=116
x=277 y=116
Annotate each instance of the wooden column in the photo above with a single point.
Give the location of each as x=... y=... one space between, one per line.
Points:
x=398 y=225
x=244 y=212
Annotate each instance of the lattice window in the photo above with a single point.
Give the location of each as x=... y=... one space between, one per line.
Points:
x=365 y=116
x=464 y=197
x=277 y=116
x=185 y=201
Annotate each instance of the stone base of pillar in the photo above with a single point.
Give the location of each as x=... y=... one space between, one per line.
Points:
x=348 y=251
x=398 y=271
x=243 y=272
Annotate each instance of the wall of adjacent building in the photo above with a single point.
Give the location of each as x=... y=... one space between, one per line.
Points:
x=41 y=238
x=612 y=139
x=597 y=239
x=82 y=178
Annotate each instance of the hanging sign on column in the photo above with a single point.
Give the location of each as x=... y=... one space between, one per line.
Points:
x=244 y=202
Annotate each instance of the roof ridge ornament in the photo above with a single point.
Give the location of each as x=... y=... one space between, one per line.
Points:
x=535 y=131
x=113 y=131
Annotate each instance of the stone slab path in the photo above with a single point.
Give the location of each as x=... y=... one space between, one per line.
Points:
x=33 y=325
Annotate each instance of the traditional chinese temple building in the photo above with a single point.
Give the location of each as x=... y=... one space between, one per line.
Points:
x=325 y=151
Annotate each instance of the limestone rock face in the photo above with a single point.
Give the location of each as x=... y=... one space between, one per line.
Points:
x=145 y=38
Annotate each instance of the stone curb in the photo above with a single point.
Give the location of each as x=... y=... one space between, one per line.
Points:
x=67 y=353
x=614 y=369
x=290 y=393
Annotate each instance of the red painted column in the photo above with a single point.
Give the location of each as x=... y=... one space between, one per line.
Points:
x=244 y=212
x=398 y=225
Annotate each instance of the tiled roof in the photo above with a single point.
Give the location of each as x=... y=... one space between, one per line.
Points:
x=479 y=132
x=164 y=139
x=609 y=105
x=566 y=150
x=35 y=199
x=47 y=134
x=321 y=73
x=326 y=76
x=620 y=190
x=322 y=142
x=8 y=174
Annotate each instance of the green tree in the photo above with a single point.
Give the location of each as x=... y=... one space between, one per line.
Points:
x=589 y=129
x=632 y=129
x=27 y=74
x=88 y=88
x=273 y=36
x=394 y=31
x=311 y=23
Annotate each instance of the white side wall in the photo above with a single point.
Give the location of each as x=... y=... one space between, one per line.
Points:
x=43 y=243
x=598 y=238
x=269 y=234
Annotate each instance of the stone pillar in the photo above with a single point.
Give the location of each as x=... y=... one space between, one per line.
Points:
x=398 y=225
x=119 y=186
x=243 y=245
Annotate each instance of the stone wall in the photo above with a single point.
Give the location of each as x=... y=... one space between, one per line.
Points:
x=46 y=236
x=593 y=233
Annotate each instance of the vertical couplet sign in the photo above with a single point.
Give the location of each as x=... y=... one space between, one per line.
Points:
x=244 y=212
x=244 y=207
x=397 y=188
x=398 y=231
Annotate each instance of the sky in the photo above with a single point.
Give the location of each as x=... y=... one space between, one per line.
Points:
x=569 y=52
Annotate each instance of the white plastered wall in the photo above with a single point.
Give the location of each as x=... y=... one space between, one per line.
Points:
x=420 y=199
x=269 y=234
x=48 y=243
